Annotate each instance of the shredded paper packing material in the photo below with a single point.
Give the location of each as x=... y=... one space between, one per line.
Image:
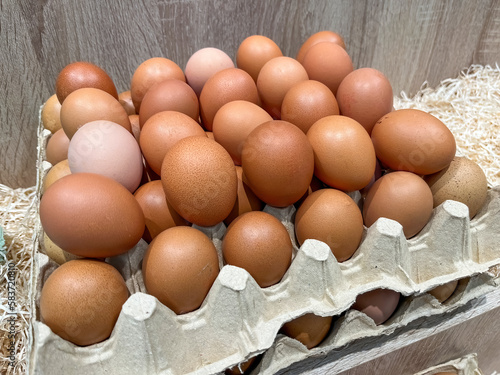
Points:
x=467 y=365
x=239 y=320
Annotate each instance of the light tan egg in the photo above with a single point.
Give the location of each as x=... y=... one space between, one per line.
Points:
x=309 y=329
x=58 y=171
x=51 y=114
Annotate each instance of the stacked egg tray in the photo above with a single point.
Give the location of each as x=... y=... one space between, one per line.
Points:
x=239 y=320
x=467 y=365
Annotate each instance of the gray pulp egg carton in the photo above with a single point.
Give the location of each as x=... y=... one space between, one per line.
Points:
x=467 y=365
x=239 y=320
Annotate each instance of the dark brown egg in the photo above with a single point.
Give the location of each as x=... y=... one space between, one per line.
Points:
x=161 y=131
x=150 y=72
x=378 y=304
x=331 y=216
x=90 y=104
x=259 y=243
x=309 y=329
x=254 y=52
x=91 y=215
x=82 y=74
x=306 y=102
x=278 y=162
x=199 y=180
x=82 y=299
x=179 y=268
x=320 y=36
x=328 y=63
x=365 y=95
x=169 y=95
x=224 y=87
x=57 y=147
x=158 y=213
x=276 y=77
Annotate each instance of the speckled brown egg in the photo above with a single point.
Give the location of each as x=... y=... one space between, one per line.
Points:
x=90 y=104
x=278 y=162
x=275 y=78
x=51 y=114
x=254 y=52
x=413 y=140
x=233 y=122
x=158 y=213
x=82 y=299
x=306 y=102
x=246 y=199
x=224 y=87
x=57 y=147
x=378 y=304
x=259 y=243
x=331 y=216
x=401 y=196
x=91 y=215
x=125 y=99
x=328 y=63
x=320 y=36
x=82 y=74
x=161 y=131
x=150 y=72
x=309 y=329
x=169 y=95
x=463 y=181
x=192 y=263
x=344 y=157
x=58 y=171
x=199 y=180
x=365 y=95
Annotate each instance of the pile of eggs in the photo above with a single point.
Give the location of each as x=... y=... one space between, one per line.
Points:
x=216 y=143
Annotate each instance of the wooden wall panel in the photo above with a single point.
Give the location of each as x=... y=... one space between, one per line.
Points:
x=410 y=41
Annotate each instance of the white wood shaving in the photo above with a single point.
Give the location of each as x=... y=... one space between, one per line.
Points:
x=470 y=106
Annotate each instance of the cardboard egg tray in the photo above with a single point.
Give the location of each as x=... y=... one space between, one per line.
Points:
x=467 y=365
x=239 y=320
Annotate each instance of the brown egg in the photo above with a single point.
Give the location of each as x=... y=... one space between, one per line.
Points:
x=58 y=171
x=150 y=72
x=278 y=163
x=306 y=102
x=125 y=99
x=328 y=63
x=321 y=36
x=169 y=95
x=365 y=95
x=316 y=184
x=91 y=215
x=331 y=216
x=203 y=64
x=378 y=304
x=83 y=74
x=82 y=299
x=446 y=373
x=51 y=114
x=254 y=52
x=463 y=181
x=192 y=263
x=89 y=104
x=413 y=140
x=54 y=252
x=233 y=122
x=401 y=196
x=242 y=368
x=199 y=180
x=259 y=243
x=224 y=87
x=158 y=213
x=344 y=157
x=161 y=131
x=309 y=329
x=276 y=77
x=57 y=147
x=246 y=199
x=135 y=126
x=444 y=291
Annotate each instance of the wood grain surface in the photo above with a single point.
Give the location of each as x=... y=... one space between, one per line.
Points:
x=410 y=41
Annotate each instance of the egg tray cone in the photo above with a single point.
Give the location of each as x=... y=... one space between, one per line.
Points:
x=238 y=319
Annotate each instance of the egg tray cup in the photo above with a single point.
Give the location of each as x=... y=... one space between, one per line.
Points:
x=239 y=320
x=466 y=365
